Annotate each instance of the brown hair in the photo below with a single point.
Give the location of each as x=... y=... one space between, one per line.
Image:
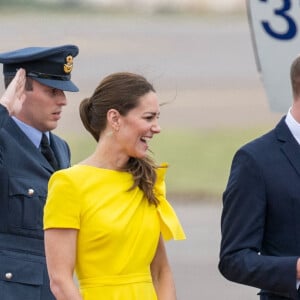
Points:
x=295 y=76
x=121 y=91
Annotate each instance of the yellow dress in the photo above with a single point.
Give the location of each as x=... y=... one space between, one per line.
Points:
x=118 y=231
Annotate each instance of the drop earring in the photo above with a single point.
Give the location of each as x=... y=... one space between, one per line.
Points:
x=110 y=133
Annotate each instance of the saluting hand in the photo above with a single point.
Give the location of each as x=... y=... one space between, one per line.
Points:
x=14 y=95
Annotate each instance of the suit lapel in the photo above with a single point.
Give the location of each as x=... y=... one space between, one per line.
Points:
x=61 y=151
x=290 y=146
x=25 y=143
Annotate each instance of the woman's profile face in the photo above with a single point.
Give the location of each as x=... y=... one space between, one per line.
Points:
x=139 y=126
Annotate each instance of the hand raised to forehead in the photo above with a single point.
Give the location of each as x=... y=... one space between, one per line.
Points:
x=14 y=95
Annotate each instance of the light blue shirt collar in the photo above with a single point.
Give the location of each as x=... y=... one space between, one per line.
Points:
x=293 y=125
x=32 y=133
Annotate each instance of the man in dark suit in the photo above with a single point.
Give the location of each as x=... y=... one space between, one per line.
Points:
x=30 y=108
x=260 y=222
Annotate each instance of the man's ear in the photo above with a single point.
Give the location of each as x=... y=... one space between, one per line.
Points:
x=113 y=118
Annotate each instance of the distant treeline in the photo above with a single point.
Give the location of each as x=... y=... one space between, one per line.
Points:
x=123 y=6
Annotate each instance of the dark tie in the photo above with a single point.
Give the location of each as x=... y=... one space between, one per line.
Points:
x=48 y=152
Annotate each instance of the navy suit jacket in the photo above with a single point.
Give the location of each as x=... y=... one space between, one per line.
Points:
x=260 y=222
x=24 y=175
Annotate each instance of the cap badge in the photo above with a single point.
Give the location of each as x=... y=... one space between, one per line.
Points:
x=69 y=64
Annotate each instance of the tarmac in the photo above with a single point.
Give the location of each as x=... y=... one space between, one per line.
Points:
x=194 y=261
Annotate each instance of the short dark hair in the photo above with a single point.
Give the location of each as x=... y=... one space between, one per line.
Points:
x=28 y=84
x=295 y=76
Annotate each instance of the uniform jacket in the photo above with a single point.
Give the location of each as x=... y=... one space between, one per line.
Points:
x=24 y=175
x=261 y=215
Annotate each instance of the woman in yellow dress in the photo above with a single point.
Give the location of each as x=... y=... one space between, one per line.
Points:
x=107 y=217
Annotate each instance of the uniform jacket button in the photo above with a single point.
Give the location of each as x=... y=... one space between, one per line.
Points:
x=30 y=192
x=8 y=275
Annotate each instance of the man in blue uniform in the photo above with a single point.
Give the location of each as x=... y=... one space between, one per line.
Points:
x=31 y=106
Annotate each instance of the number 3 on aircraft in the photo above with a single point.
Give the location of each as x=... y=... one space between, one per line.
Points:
x=281 y=12
x=274 y=31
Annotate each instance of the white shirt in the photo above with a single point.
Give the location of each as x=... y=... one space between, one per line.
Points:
x=293 y=126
